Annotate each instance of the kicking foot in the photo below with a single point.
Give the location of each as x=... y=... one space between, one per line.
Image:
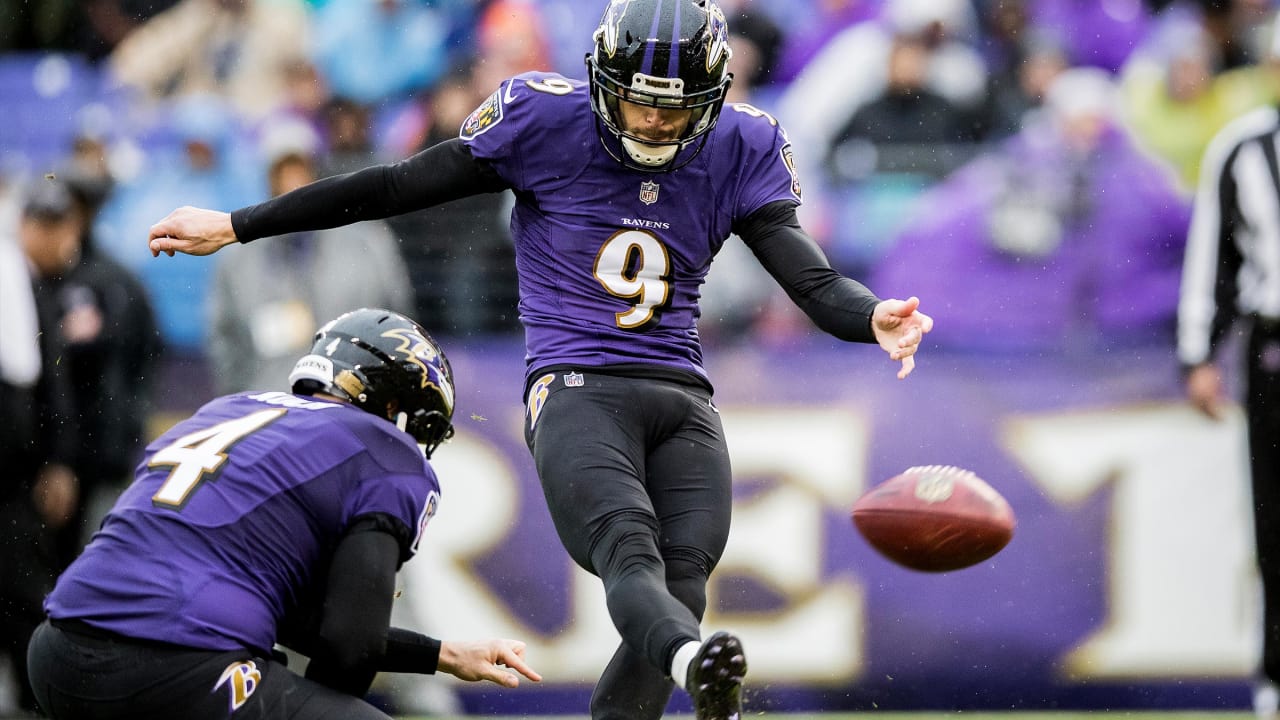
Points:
x=715 y=678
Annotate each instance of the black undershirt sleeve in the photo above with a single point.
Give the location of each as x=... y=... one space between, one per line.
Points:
x=436 y=175
x=838 y=305
x=411 y=652
x=348 y=639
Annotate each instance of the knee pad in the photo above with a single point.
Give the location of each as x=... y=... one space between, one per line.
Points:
x=688 y=570
x=627 y=544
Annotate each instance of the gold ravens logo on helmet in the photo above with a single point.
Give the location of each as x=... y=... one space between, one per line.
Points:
x=422 y=353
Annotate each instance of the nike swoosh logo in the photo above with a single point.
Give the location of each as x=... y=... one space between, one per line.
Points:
x=507 y=96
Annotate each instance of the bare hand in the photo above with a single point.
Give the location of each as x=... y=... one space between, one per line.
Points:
x=55 y=494
x=192 y=231
x=486 y=660
x=899 y=328
x=1204 y=390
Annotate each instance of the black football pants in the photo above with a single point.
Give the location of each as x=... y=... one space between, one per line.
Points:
x=90 y=675
x=637 y=480
x=1262 y=407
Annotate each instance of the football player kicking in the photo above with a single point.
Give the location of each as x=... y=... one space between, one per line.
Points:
x=626 y=187
x=265 y=518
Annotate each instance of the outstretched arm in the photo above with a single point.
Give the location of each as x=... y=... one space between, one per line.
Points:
x=838 y=305
x=440 y=173
x=347 y=637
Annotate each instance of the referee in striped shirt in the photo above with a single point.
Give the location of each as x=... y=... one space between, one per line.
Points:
x=1231 y=272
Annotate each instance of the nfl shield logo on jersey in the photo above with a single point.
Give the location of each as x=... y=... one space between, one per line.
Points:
x=574 y=379
x=649 y=192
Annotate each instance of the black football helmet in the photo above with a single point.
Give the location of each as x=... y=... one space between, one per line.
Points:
x=385 y=364
x=662 y=53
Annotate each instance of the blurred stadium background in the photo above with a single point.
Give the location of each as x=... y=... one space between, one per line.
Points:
x=1129 y=586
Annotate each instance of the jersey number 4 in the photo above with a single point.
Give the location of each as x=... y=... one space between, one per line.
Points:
x=197 y=456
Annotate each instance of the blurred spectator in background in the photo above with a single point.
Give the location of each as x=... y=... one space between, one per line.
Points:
x=48 y=99
x=199 y=153
x=1093 y=33
x=757 y=46
x=739 y=298
x=1019 y=90
x=40 y=492
x=906 y=127
x=108 y=22
x=38 y=25
x=1239 y=28
x=89 y=27
x=1004 y=26
x=460 y=254
x=88 y=169
x=810 y=25
x=510 y=38
x=853 y=69
x=105 y=324
x=307 y=94
x=1022 y=61
x=375 y=50
x=1065 y=217
x=348 y=135
x=239 y=49
x=268 y=298
x=855 y=220
x=1178 y=92
x=565 y=23
x=895 y=146
x=1231 y=281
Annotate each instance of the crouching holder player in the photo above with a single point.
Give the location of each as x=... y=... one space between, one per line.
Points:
x=268 y=518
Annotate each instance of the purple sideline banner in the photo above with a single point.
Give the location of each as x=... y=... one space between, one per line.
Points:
x=1129 y=582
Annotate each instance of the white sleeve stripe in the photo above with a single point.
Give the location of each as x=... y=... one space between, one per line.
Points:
x=1263 y=297
x=1197 y=304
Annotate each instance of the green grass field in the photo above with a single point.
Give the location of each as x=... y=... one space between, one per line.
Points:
x=1095 y=715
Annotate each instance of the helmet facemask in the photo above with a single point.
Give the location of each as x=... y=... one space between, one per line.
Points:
x=642 y=56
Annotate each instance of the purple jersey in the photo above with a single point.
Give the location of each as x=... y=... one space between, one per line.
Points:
x=611 y=260
x=232 y=512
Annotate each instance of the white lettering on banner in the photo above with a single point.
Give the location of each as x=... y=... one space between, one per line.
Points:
x=1182 y=585
x=777 y=539
x=820 y=455
x=1181 y=595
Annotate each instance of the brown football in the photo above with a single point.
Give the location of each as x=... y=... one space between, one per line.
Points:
x=935 y=518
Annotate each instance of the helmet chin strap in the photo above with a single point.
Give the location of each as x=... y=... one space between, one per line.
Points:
x=402 y=422
x=649 y=155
